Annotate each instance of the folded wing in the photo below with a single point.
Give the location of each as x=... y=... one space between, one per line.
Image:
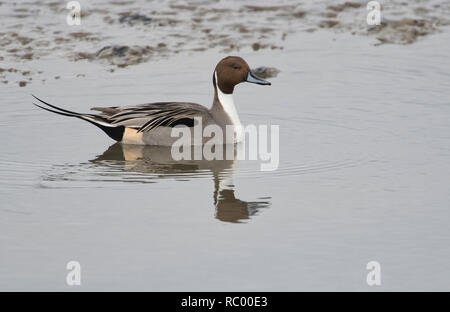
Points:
x=146 y=117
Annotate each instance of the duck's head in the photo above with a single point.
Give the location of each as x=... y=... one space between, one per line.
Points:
x=233 y=70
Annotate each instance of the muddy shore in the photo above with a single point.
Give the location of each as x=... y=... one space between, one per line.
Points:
x=119 y=34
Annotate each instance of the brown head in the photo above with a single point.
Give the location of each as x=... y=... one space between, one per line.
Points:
x=233 y=70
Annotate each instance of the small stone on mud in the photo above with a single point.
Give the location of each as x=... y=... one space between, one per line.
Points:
x=132 y=19
x=256 y=46
x=345 y=5
x=122 y=55
x=299 y=14
x=328 y=24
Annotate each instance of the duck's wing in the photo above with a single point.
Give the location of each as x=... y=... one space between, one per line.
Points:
x=146 y=117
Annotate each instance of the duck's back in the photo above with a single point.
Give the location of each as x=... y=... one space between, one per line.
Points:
x=152 y=123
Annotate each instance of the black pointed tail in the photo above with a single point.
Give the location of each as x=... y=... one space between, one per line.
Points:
x=114 y=132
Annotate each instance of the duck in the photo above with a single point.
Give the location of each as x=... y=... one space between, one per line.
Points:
x=152 y=123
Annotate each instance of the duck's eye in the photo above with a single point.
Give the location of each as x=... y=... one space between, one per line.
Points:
x=236 y=67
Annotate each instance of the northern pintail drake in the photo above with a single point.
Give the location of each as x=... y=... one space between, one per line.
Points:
x=152 y=123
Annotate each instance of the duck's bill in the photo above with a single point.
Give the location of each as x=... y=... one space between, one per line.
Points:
x=252 y=78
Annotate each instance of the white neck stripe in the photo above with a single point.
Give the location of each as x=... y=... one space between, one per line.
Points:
x=227 y=102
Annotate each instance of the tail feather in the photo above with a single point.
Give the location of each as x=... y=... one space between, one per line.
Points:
x=114 y=132
x=55 y=107
x=54 y=111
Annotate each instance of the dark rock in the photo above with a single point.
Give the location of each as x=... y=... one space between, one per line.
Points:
x=132 y=19
x=265 y=72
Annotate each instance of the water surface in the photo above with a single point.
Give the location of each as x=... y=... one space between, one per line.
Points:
x=363 y=175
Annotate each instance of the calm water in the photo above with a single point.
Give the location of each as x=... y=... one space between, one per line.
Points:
x=364 y=174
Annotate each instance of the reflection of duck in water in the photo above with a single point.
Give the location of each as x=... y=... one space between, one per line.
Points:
x=158 y=160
